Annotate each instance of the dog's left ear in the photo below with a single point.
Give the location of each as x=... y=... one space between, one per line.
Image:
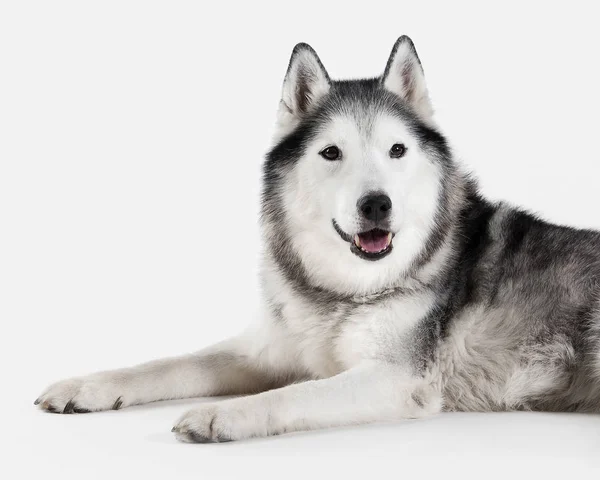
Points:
x=305 y=83
x=404 y=76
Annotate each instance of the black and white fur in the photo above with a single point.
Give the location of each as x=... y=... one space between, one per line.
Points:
x=476 y=306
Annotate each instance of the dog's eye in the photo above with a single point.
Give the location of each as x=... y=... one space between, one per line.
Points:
x=331 y=153
x=398 y=150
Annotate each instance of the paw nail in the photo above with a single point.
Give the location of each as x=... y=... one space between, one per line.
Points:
x=37 y=401
x=118 y=403
x=69 y=407
x=81 y=410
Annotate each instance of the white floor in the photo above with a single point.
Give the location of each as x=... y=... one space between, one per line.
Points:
x=136 y=443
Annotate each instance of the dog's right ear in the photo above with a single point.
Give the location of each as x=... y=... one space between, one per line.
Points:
x=305 y=83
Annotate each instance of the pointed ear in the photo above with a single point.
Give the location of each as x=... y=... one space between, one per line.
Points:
x=306 y=81
x=404 y=76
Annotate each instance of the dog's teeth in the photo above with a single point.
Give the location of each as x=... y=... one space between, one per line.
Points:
x=357 y=240
x=389 y=238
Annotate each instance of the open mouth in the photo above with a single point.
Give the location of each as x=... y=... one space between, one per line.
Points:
x=373 y=241
x=371 y=245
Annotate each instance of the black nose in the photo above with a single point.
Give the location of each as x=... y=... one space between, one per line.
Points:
x=375 y=206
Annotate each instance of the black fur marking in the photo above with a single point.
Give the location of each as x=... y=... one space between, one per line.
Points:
x=341 y=233
x=519 y=225
x=475 y=218
x=69 y=407
x=417 y=399
x=458 y=284
x=81 y=410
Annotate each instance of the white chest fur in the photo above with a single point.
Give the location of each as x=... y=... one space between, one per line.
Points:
x=328 y=339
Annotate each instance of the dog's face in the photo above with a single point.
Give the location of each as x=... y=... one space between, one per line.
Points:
x=354 y=184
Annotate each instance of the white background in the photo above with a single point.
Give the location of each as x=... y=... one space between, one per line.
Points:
x=131 y=138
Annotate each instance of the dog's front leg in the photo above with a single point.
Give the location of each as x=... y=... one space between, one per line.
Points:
x=371 y=392
x=231 y=367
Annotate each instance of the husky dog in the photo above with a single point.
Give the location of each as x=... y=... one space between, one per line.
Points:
x=391 y=288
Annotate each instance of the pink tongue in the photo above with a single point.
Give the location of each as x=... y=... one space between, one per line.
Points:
x=373 y=241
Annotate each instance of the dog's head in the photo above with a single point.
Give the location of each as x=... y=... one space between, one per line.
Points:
x=356 y=184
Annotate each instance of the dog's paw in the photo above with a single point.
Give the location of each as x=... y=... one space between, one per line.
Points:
x=221 y=422
x=82 y=395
